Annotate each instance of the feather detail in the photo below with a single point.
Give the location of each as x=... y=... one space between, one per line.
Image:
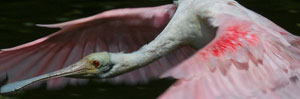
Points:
x=114 y=31
x=245 y=60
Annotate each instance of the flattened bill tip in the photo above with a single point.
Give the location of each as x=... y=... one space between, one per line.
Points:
x=5 y=89
x=12 y=87
x=15 y=86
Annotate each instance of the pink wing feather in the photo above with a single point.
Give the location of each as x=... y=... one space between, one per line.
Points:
x=113 y=31
x=245 y=60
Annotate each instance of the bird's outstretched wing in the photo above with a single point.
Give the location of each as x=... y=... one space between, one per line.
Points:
x=114 y=31
x=249 y=58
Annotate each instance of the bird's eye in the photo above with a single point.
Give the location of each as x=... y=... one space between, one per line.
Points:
x=96 y=64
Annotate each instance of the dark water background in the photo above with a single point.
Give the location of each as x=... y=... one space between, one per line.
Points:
x=17 y=26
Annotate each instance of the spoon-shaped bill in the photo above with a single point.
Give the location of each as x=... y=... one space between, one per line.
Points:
x=68 y=71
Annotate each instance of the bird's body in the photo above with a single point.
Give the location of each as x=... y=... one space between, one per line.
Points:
x=240 y=53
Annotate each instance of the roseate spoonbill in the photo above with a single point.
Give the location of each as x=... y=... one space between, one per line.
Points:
x=240 y=53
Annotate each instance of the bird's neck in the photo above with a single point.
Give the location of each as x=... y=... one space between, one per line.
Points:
x=147 y=54
x=186 y=28
x=175 y=35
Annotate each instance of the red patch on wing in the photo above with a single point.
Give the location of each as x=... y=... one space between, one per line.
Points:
x=229 y=39
x=283 y=33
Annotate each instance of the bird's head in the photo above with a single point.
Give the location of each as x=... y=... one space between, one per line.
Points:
x=91 y=66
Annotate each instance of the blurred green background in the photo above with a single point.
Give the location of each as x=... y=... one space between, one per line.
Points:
x=17 y=26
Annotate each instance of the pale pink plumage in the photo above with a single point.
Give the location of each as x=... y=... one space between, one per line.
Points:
x=247 y=59
x=121 y=30
x=250 y=57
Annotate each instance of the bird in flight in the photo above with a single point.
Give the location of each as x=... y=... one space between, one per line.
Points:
x=214 y=48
